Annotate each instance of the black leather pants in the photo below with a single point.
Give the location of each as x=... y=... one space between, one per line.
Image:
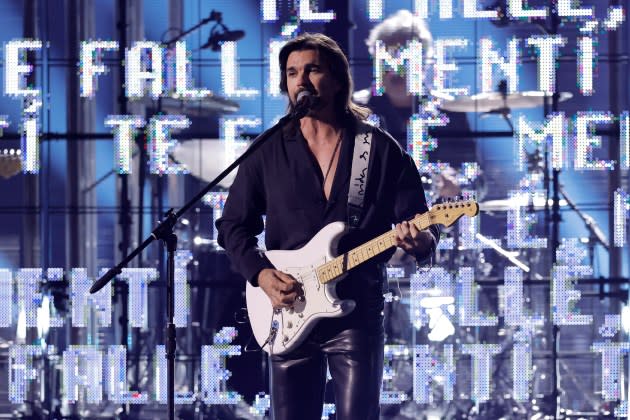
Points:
x=354 y=352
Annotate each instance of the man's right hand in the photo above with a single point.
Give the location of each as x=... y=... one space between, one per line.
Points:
x=281 y=288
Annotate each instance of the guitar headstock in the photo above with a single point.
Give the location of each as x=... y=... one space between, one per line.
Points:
x=448 y=213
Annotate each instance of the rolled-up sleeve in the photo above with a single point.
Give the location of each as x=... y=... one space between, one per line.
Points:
x=242 y=220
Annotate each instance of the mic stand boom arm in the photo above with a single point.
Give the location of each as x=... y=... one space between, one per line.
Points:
x=594 y=230
x=164 y=232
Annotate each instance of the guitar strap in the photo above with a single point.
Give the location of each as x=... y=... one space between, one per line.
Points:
x=359 y=174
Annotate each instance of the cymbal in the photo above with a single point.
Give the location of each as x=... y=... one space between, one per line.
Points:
x=493 y=101
x=209 y=105
x=207 y=158
x=538 y=203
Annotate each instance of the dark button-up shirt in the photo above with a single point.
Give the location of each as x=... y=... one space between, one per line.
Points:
x=283 y=181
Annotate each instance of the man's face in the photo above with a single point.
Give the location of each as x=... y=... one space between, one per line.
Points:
x=306 y=70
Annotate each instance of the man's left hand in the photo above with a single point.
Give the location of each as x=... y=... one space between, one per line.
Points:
x=413 y=241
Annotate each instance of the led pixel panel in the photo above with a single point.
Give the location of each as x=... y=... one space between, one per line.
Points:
x=429 y=368
x=91 y=65
x=144 y=62
x=214 y=374
x=83 y=374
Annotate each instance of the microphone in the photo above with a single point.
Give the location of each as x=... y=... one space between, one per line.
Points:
x=303 y=103
x=216 y=39
x=100 y=283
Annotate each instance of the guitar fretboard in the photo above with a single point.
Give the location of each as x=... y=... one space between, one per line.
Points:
x=340 y=265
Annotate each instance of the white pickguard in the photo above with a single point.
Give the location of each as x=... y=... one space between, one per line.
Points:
x=281 y=331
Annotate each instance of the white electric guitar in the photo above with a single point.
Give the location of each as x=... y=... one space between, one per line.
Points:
x=278 y=331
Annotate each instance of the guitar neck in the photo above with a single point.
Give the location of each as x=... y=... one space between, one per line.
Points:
x=343 y=263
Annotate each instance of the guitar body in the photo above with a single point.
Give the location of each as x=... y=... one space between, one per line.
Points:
x=282 y=330
x=318 y=271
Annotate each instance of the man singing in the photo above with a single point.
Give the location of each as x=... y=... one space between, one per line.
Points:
x=300 y=179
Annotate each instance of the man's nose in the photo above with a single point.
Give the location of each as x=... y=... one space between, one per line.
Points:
x=304 y=79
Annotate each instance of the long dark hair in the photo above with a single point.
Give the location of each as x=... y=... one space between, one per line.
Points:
x=337 y=63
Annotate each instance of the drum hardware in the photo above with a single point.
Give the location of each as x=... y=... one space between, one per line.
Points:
x=507 y=204
x=194 y=107
x=10 y=162
x=500 y=102
x=496 y=102
x=207 y=158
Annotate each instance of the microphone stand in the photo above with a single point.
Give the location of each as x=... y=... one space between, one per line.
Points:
x=164 y=232
x=595 y=234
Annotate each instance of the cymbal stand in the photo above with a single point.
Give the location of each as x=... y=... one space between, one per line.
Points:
x=553 y=24
x=505 y=110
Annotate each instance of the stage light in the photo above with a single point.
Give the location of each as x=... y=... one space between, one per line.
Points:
x=437 y=282
x=439 y=323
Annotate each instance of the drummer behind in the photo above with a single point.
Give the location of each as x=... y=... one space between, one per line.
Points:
x=396 y=105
